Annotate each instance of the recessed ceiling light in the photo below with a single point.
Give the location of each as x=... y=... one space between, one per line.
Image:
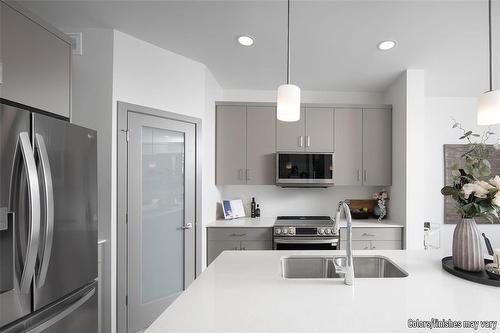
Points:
x=386 y=45
x=245 y=40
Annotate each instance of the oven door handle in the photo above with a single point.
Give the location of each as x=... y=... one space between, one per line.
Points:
x=306 y=241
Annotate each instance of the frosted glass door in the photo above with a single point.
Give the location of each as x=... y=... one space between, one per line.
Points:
x=162 y=213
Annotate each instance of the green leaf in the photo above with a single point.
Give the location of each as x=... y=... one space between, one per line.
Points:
x=449 y=190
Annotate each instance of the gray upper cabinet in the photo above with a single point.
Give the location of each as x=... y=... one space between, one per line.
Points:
x=290 y=136
x=231 y=143
x=36 y=64
x=377 y=147
x=245 y=145
x=348 y=146
x=363 y=147
x=320 y=129
x=314 y=132
x=261 y=147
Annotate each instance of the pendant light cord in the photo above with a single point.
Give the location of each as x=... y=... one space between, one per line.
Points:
x=490 y=45
x=288 y=46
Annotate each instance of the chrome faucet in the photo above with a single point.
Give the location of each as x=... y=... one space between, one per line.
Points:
x=349 y=268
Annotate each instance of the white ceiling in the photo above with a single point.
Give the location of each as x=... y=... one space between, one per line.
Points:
x=333 y=42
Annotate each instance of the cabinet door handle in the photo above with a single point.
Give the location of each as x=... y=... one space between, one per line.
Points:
x=301 y=141
x=247 y=174
x=237 y=235
x=365 y=176
x=359 y=175
x=368 y=235
x=308 y=141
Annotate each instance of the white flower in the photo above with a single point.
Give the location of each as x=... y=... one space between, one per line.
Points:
x=480 y=189
x=375 y=196
x=496 y=199
x=468 y=189
x=495 y=182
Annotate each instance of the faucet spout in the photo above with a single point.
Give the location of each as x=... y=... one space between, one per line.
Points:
x=349 y=269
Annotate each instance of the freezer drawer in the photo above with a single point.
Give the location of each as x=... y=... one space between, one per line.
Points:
x=76 y=313
x=67 y=258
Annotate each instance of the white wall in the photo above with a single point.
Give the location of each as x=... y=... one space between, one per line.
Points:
x=150 y=76
x=396 y=96
x=329 y=97
x=438 y=131
x=407 y=95
x=275 y=201
x=92 y=86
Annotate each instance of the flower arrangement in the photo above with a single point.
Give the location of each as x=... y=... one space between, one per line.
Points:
x=476 y=193
x=381 y=197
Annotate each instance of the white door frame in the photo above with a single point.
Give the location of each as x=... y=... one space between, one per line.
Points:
x=121 y=213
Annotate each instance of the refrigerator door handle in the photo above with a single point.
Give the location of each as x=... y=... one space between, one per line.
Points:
x=61 y=315
x=49 y=209
x=25 y=152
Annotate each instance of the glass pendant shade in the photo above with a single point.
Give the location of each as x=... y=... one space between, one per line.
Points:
x=488 y=112
x=288 y=108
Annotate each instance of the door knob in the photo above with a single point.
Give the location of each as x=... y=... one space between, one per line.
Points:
x=187 y=226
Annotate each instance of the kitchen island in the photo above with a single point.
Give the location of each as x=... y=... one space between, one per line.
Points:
x=244 y=292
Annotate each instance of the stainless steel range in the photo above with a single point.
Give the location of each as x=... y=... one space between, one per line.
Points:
x=305 y=233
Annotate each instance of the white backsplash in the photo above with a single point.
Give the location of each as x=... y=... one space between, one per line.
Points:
x=275 y=201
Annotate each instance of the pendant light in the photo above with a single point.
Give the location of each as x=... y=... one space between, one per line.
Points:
x=288 y=101
x=488 y=112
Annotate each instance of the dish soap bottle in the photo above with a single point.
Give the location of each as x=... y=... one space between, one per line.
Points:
x=257 y=211
x=252 y=208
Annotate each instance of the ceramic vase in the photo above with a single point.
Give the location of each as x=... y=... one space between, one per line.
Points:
x=467 y=251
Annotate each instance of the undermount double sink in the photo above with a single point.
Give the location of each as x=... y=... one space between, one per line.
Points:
x=331 y=267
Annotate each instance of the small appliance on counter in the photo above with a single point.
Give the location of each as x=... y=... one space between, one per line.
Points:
x=305 y=233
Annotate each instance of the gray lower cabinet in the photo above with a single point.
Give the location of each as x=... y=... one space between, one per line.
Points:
x=245 y=153
x=363 y=147
x=35 y=64
x=234 y=239
x=389 y=238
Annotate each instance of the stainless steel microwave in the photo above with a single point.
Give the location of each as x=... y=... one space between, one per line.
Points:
x=294 y=169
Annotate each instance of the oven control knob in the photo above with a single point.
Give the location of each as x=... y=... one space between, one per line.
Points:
x=321 y=231
x=285 y=231
x=278 y=231
x=291 y=231
x=328 y=231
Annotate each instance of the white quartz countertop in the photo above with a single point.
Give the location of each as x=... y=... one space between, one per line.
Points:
x=371 y=223
x=243 y=291
x=268 y=222
x=244 y=222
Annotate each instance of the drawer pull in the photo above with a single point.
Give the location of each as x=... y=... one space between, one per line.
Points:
x=237 y=235
x=368 y=235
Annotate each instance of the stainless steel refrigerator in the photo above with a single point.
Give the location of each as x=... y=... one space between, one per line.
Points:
x=48 y=224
